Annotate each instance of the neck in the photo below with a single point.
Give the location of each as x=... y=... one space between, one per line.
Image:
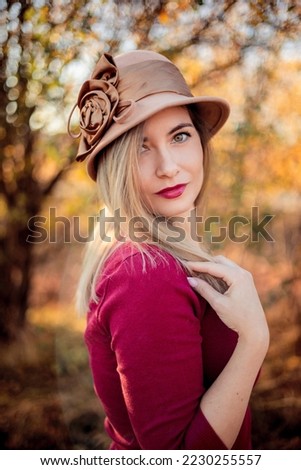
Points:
x=185 y=227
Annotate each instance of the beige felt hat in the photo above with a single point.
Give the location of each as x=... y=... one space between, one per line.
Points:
x=126 y=90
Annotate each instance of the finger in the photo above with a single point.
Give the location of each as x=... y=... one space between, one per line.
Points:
x=215 y=269
x=205 y=290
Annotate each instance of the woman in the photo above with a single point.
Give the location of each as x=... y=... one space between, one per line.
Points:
x=176 y=337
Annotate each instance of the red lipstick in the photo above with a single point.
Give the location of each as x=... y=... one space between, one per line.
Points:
x=172 y=191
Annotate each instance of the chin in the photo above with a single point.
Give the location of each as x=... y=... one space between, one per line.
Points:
x=180 y=208
x=178 y=212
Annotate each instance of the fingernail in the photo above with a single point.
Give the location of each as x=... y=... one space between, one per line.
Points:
x=192 y=281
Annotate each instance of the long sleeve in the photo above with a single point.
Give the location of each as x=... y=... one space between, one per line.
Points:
x=153 y=321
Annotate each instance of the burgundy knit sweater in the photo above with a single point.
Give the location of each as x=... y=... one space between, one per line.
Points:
x=155 y=347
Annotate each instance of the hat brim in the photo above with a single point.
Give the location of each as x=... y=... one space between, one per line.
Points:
x=213 y=112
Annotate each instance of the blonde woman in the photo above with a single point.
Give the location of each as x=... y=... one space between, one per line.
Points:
x=176 y=337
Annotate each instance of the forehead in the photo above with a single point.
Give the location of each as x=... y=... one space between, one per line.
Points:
x=167 y=118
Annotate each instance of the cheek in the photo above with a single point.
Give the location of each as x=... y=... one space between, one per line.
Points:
x=143 y=180
x=145 y=188
x=195 y=162
x=143 y=176
x=196 y=169
x=198 y=165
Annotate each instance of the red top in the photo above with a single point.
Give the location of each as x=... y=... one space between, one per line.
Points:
x=155 y=347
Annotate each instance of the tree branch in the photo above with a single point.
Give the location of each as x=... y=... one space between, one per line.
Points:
x=54 y=180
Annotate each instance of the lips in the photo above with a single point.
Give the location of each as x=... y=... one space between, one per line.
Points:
x=173 y=191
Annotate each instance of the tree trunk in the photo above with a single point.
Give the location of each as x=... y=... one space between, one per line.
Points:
x=15 y=265
x=16 y=259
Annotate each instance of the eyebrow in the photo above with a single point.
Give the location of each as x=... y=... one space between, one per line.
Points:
x=174 y=129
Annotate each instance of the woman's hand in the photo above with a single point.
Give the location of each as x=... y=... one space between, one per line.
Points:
x=225 y=402
x=239 y=307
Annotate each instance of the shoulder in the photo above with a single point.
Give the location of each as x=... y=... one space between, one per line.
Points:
x=140 y=301
x=128 y=262
x=138 y=281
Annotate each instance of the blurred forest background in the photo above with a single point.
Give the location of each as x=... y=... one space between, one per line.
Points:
x=245 y=51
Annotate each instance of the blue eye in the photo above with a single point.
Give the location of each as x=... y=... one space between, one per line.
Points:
x=181 y=137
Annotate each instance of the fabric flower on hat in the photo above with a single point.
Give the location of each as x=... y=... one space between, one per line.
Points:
x=97 y=102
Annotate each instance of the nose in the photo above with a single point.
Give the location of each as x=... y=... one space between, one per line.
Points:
x=166 y=164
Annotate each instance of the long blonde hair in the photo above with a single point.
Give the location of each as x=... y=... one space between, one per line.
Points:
x=118 y=187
